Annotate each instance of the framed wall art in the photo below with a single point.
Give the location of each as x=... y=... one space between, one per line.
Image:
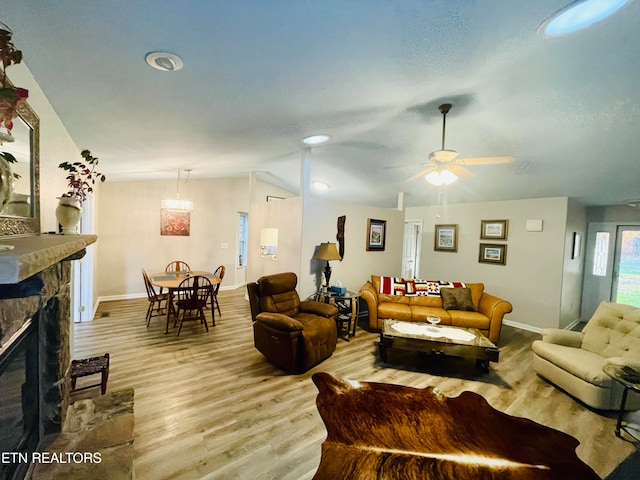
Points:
x=494 y=229
x=175 y=222
x=446 y=238
x=493 y=253
x=376 y=234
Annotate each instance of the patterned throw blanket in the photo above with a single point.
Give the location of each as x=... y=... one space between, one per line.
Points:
x=414 y=286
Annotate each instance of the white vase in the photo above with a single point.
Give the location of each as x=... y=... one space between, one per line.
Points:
x=68 y=213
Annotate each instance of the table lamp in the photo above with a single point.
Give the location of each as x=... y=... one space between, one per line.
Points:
x=328 y=252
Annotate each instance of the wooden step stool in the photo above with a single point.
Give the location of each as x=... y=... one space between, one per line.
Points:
x=90 y=366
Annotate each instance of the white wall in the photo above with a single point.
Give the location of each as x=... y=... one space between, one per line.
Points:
x=320 y=225
x=532 y=277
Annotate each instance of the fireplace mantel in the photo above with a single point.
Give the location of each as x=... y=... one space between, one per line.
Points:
x=33 y=254
x=35 y=291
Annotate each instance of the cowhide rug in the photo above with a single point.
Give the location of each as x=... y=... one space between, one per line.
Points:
x=384 y=432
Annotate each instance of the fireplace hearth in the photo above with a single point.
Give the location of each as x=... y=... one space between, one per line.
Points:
x=35 y=345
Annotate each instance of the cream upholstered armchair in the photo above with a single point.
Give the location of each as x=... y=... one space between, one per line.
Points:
x=574 y=360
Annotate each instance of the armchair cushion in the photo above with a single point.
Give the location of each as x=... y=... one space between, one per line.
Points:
x=576 y=361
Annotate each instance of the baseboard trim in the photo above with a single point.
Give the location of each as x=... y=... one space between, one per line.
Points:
x=522 y=326
x=573 y=324
x=129 y=296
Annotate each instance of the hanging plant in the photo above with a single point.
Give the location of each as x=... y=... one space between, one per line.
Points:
x=11 y=97
x=82 y=176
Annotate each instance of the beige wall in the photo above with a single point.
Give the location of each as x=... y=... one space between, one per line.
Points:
x=129 y=233
x=56 y=146
x=286 y=216
x=320 y=225
x=571 y=294
x=532 y=277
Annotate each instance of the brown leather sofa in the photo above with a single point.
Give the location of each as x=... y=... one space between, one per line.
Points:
x=487 y=318
x=293 y=335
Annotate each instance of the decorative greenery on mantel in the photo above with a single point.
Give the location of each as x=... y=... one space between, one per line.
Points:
x=82 y=176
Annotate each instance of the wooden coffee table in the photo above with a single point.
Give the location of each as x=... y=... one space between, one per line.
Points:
x=438 y=340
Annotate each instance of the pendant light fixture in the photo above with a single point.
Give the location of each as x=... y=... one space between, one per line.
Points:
x=177 y=203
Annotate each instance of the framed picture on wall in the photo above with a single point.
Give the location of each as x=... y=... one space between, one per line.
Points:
x=493 y=253
x=376 y=234
x=446 y=238
x=494 y=229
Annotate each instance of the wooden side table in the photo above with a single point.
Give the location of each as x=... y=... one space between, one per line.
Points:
x=630 y=380
x=90 y=366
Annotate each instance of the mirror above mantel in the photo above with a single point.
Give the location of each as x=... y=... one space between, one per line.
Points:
x=21 y=216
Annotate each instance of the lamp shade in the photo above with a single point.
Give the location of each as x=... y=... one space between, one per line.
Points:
x=327 y=251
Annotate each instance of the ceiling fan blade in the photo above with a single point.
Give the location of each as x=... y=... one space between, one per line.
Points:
x=460 y=171
x=487 y=160
x=422 y=173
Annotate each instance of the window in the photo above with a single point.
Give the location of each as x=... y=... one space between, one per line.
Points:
x=600 y=254
x=243 y=236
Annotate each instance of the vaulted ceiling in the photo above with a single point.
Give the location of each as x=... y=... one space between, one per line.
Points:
x=261 y=74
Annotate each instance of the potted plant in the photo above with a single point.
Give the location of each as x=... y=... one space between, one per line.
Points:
x=82 y=176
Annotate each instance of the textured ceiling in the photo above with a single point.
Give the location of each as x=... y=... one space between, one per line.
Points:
x=260 y=75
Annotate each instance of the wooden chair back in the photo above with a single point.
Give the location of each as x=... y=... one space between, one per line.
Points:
x=178 y=266
x=151 y=292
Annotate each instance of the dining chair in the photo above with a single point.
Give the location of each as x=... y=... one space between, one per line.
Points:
x=178 y=266
x=192 y=295
x=213 y=297
x=155 y=299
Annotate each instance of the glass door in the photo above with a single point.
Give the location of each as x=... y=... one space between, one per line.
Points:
x=626 y=274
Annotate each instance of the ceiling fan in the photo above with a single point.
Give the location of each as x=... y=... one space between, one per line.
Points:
x=445 y=166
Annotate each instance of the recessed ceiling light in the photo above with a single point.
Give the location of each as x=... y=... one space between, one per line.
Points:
x=164 y=61
x=315 y=139
x=579 y=14
x=320 y=186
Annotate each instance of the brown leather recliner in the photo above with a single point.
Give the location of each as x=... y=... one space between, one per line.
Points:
x=293 y=335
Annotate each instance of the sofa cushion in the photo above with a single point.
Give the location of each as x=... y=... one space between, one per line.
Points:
x=397 y=311
x=577 y=361
x=457 y=299
x=461 y=318
x=613 y=331
x=420 y=314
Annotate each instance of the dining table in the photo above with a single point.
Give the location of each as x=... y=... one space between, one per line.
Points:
x=172 y=280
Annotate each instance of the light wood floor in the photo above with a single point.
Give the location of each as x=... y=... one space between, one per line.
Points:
x=209 y=406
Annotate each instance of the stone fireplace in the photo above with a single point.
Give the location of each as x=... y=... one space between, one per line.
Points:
x=35 y=342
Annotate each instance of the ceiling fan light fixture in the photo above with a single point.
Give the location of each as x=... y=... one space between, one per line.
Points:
x=316 y=139
x=164 y=61
x=579 y=14
x=444 y=177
